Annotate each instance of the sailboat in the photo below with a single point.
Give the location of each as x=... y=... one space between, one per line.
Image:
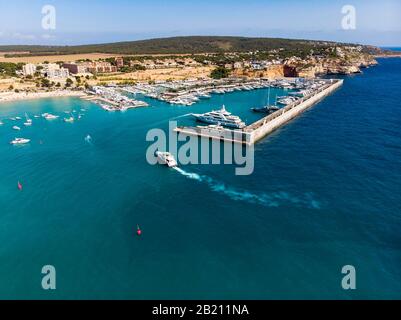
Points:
x=28 y=122
x=268 y=108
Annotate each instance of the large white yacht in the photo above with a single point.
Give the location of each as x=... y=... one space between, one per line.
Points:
x=221 y=117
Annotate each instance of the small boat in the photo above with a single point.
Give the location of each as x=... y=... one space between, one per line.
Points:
x=20 y=141
x=16 y=128
x=18 y=118
x=166 y=158
x=287 y=100
x=49 y=116
x=70 y=119
x=19 y=185
x=1 y=123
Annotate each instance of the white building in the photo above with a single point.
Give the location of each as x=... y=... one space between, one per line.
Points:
x=61 y=73
x=238 y=65
x=53 y=71
x=29 y=69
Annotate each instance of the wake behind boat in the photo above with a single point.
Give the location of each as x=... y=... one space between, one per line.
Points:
x=221 y=117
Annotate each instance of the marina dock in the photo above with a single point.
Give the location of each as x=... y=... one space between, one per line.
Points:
x=261 y=128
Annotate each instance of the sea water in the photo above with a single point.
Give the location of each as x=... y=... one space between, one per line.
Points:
x=325 y=193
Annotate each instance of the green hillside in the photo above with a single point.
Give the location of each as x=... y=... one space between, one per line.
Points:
x=176 y=45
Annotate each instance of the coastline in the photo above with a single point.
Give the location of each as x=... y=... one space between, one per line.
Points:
x=395 y=55
x=11 y=96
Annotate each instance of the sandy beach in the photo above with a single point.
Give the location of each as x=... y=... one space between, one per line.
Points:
x=17 y=96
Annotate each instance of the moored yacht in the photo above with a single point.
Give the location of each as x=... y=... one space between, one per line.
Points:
x=221 y=117
x=20 y=141
x=49 y=116
x=266 y=109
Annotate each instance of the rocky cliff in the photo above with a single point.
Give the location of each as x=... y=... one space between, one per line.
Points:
x=339 y=65
x=272 y=72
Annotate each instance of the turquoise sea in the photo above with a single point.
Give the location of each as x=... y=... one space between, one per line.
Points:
x=325 y=193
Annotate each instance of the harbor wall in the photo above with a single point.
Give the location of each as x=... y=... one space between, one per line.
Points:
x=259 y=129
x=265 y=126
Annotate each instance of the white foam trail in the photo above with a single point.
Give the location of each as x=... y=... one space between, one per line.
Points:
x=188 y=174
x=274 y=199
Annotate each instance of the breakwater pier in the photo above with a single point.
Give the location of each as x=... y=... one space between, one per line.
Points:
x=261 y=128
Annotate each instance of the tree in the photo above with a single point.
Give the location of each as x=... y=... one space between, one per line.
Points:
x=68 y=83
x=220 y=73
x=11 y=87
x=45 y=83
x=8 y=68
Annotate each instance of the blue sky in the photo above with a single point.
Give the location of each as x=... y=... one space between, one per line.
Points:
x=90 y=21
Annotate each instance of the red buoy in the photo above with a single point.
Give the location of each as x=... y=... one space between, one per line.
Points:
x=138 y=230
x=19 y=186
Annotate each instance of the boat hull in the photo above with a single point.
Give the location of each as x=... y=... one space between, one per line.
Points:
x=222 y=123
